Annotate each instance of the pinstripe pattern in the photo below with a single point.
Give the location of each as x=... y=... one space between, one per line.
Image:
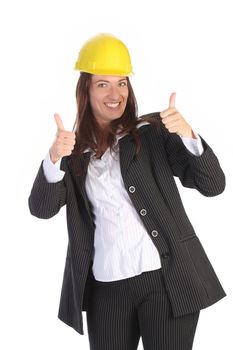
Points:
x=189 y=277
x=119 y=312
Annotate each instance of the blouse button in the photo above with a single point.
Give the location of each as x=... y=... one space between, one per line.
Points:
x=132 y=189
x=143 y=212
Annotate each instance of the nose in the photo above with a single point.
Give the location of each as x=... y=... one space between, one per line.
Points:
x=114 y=93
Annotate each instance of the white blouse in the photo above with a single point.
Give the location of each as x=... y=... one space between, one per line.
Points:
x=122 y=246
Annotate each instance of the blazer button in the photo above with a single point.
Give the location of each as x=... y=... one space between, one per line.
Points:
x=165 y=255
x=143 y=212
x=154 y=233
x=132 y=189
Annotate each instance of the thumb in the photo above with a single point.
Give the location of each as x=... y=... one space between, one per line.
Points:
x=58 y=121
x=172 y=100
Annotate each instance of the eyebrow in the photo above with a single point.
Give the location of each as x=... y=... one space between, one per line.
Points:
x=107 y=81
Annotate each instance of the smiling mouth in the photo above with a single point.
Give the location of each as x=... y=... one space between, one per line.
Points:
x=112 y=104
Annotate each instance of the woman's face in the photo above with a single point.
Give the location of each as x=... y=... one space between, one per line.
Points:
x=108 y=97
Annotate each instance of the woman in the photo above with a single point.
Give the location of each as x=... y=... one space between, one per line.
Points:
x=134 y=262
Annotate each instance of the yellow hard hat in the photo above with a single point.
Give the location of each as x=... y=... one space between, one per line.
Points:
x=104 y=54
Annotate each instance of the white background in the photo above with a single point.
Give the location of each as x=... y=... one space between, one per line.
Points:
x=182 y=46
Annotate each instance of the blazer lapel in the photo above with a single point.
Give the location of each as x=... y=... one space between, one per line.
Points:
x=127 y=151
x=82 y=163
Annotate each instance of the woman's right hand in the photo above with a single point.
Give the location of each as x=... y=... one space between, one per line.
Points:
x=64 y=141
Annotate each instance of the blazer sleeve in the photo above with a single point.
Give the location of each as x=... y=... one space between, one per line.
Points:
x=46 y=198
x=203 y=172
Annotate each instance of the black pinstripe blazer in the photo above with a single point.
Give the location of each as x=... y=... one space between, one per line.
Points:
x=189 y=277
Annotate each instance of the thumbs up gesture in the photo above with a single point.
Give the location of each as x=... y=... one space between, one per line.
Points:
x=64 y=141
x=174 y=121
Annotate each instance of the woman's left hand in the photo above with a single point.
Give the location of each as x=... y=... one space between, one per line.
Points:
x=174 y=121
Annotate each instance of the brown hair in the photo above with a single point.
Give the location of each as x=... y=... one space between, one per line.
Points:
x=87 y=130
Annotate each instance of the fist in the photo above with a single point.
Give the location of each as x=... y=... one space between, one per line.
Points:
x=64 y=141
x=174 y=121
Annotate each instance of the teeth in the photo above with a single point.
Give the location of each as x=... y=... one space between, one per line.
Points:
x=112 y=105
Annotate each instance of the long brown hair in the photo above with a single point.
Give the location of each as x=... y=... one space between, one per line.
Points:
x=86 y=128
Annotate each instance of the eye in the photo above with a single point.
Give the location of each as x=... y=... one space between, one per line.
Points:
x=101 y=85
x=123 y=83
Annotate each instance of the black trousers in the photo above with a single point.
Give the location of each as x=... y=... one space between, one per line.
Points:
x=120 y=312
